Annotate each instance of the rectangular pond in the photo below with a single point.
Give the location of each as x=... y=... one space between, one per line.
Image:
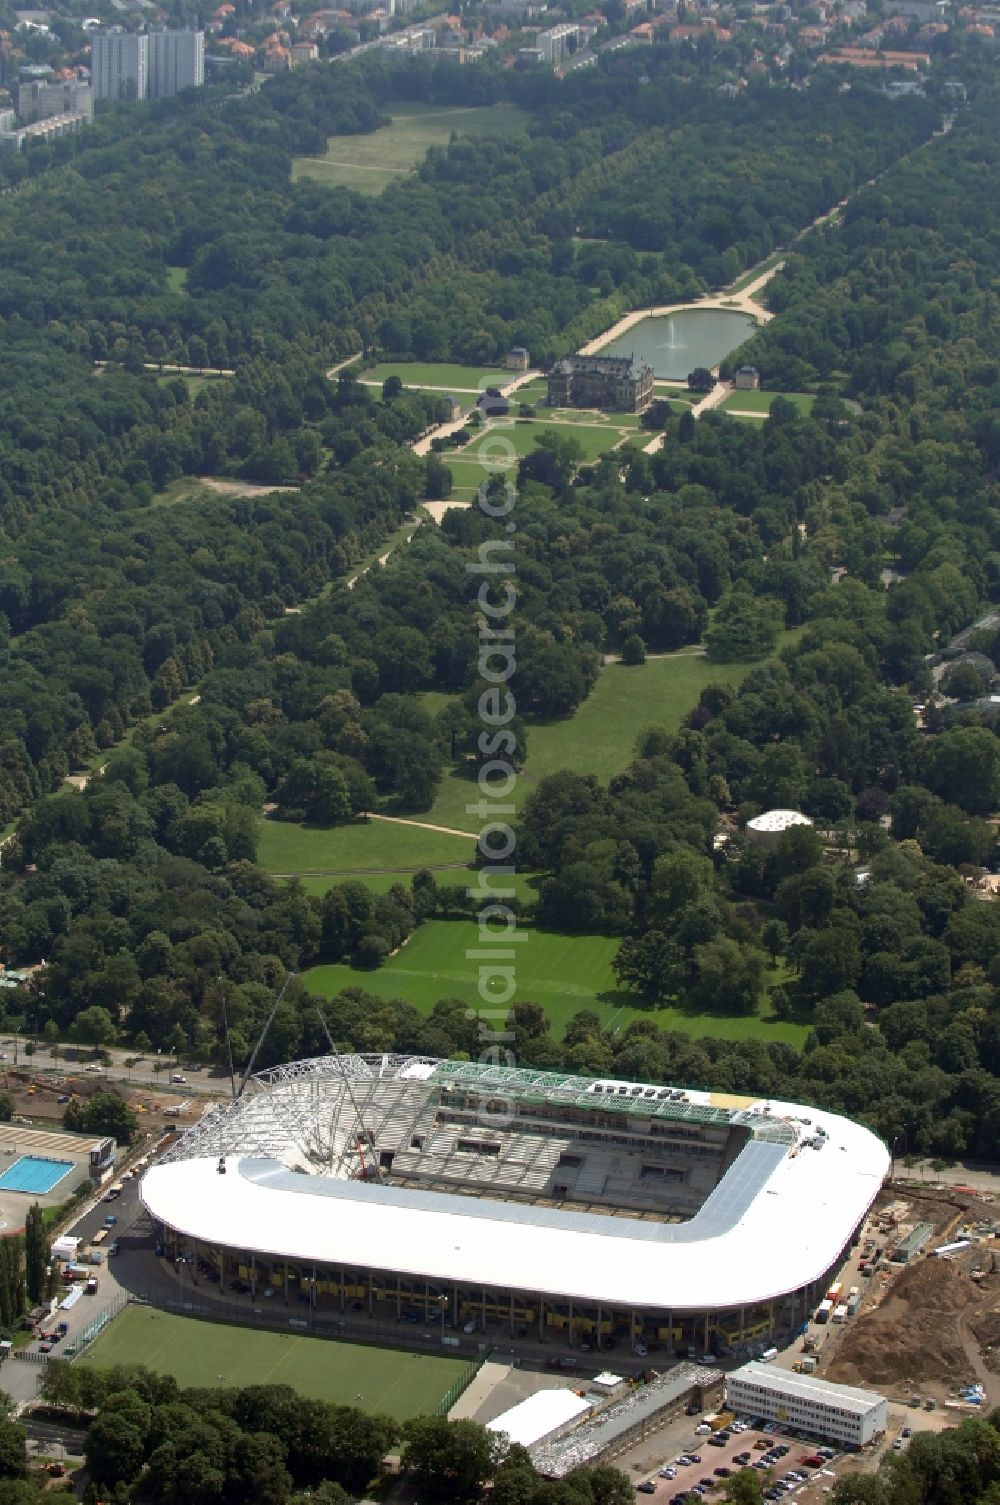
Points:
x=674 y=344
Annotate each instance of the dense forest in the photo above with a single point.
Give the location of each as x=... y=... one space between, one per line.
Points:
x=142 y=894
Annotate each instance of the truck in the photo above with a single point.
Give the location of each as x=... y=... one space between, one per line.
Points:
x=833 y=1294
x=823 y=1311
x=768 y=1355
x=852 y=1305
x=854 y=1291
x=840 y=1312
x=92 y=1284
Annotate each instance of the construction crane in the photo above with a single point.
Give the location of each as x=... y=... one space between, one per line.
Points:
x=229 y=1042
x=260 y=1038
x=361 y=1134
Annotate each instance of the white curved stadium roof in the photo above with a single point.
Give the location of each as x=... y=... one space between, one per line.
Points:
x=777 y=1220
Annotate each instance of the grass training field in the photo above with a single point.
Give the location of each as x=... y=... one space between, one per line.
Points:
x=564 y=973
x=212 y=1353
x=368 y=163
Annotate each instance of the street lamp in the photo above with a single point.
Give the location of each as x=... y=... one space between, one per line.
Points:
x=443 y=1303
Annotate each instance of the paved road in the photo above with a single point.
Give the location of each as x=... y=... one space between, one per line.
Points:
x=977 y=1175
x=21 y=1377
x=198 y=1080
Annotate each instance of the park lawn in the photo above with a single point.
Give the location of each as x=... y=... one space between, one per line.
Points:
x=437 y=375
x=393 y=540
x=525 y=885
x=194 y=383
x=368 y=163
x=680 y=394
x=600 y=737
x=202 y=1353
x=533 y=391
x=755 y=272
x=760 y=402
x=564 y=973
x=588 y=417
x=187 y=489
x=469 y=472
x=378 y=846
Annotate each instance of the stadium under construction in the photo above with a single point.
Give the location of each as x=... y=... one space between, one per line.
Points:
x=561 y=1208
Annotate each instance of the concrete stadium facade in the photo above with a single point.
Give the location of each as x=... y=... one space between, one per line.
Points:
x=539 y=1206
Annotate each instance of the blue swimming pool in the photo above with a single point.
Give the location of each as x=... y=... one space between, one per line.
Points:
x=34 y=1174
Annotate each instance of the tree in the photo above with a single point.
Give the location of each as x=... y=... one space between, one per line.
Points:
x=13 y=1450
x=113 y=1449
x=651 y=964
x=439 y=479
x=700 y=379
x=37 y=1254
x=633 y=650
x=729 y=978
x=963 y=767
x=106 y=1113
x=745 y=1488
x=449 y=1460
x=744 y=627
x=94 y=1026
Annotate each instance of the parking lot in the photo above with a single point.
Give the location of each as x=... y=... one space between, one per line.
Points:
x=714 y=1457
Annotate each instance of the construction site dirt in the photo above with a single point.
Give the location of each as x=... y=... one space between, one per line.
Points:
x=925 y=1334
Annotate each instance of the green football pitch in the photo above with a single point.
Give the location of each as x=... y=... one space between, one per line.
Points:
x=202 y=1353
